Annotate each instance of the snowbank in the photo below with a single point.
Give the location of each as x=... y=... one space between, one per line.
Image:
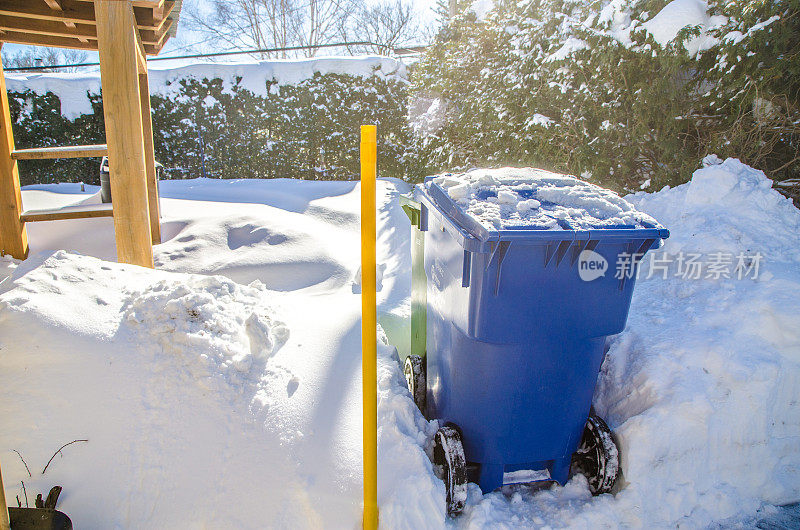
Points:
x=73 y=89
x=527 y=197
x=255 y=389
x=702 y=387
x=190 y=386
x=226 y=329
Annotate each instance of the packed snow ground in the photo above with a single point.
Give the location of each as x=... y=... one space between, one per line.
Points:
x=234 y=400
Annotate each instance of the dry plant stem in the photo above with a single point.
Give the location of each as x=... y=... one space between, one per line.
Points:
x=24 y=462
x=25 y=492
x=59 y=451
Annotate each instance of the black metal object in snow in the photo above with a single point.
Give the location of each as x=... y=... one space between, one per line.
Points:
x=43 y=517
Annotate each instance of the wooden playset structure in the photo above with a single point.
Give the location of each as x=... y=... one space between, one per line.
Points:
x=123 y=32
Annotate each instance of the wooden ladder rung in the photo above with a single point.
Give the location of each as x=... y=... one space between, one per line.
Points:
x=70 y=151
x=83 y=211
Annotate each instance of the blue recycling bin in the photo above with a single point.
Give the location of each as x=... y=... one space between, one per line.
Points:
x=516 y=332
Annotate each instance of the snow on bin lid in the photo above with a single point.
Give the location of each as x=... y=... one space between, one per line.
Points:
x=535 y=199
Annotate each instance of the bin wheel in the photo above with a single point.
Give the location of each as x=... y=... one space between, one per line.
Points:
x=597 y=457
x=448 y=453
x=414 y=370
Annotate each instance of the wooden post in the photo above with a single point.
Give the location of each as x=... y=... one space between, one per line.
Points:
x=5 y=523
x=13 y=237
x=118 y=47
x=150 y=158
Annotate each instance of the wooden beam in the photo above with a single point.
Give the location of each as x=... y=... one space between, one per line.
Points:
x=71 y=25
x=13 y=236
x=55 y=6
x=148 y=3
x=156 y=37
x=81 y=12
x=139 y=3
x=62 y=42
x=141 y=59
x=47 y=27
x=80 y=31
x=47 y=40
x=70 y=11
x=5 y=520
x=146 y=16
x=83 y=211
x=150 y=158
x=70 y=151
x=158 y=10
x=123 y=120
x=141 y=54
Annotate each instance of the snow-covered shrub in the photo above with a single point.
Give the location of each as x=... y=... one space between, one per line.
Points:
x=751 y=82
x=612 y=90
x=309 y=129
x=38 y=122
x=306 y=130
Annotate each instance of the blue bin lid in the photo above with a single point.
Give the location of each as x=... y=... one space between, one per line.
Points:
x=469 y=228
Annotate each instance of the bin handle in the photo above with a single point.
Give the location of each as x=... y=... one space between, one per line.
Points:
x=557 y=251
x=412 y=209
x=580 y=246
x=498 y=255
x=636 y=258
x=466 y=268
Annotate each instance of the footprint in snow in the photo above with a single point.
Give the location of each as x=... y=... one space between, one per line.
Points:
x=291 y=386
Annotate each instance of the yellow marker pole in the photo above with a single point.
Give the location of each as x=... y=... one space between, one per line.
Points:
x=369 y=325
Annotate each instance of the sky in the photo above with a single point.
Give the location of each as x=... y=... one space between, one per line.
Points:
x=183 y=43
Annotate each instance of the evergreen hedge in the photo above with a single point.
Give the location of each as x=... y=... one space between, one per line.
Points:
x=309 y=130
x=583 y=87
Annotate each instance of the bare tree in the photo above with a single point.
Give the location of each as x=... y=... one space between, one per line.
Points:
x=324 y=20
x=386 y=25
x=36 y=57
x=244 y=24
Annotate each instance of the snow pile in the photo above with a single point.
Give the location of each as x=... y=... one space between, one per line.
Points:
x=702 y=388
x=704 y=385
x=226 y=329
x=535 y=198
x=727 y=207
x=7 y=266
x=179 y=381
x=73 y=89
x=410 y=495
